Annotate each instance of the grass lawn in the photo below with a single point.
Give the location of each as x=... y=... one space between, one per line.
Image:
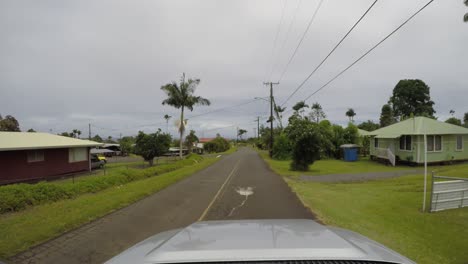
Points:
x=21 y=230
x=331 y=166
x=388 y=211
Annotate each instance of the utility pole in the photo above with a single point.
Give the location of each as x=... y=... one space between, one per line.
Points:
x=271 y=115
x=258 y=127
x=89 y=131
x=237 y=135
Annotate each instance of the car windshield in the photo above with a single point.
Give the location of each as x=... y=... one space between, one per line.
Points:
x=177 y=131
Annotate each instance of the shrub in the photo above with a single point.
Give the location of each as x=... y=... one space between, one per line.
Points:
x=218 y=144
x=17 y=197
x=305 y=139
x=282 y=148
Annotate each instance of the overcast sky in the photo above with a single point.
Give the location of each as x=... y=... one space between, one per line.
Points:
x=64 y=64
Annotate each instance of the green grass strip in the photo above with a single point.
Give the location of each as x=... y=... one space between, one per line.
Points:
x=22 y=230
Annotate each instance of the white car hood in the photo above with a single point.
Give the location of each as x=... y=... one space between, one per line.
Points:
x=257 y=240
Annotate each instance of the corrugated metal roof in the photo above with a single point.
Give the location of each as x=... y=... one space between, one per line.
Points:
x=35 y=140
x=363 y=132
x=419 y=126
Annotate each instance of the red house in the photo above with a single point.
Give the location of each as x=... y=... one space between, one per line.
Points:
x=33 y=156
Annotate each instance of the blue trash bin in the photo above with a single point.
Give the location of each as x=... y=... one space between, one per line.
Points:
x=350 y=152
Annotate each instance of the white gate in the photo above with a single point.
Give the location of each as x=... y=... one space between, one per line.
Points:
x=448 y=193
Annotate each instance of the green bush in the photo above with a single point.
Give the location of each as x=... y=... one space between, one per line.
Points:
x=17 y=197
x=282 y=148
x=218 y=144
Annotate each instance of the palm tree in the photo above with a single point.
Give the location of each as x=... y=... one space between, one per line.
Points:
x=279 y=114
x=298 y=107
x=350 y=114
x=181 y=96
x=167 y=117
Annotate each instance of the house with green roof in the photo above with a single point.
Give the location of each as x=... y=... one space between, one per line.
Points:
x=404 y=141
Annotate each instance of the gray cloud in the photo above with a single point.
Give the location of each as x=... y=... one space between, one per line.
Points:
x=65 y=64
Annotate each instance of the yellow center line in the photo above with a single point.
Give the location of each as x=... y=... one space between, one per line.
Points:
x=219 y=191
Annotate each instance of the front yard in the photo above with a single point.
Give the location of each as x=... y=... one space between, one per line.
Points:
x=388 y=211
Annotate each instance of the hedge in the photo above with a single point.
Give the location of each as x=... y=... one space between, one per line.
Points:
x=16 y=197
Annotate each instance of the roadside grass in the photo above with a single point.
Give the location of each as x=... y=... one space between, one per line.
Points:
x=388 y=210
x=17 y=197
x=331 y=166
x=22 y=230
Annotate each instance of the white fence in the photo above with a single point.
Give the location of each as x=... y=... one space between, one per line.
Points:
x=448 y=193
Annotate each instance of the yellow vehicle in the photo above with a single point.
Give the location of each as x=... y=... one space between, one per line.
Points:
x=102 y=158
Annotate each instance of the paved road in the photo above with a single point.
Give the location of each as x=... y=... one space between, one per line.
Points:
x=239 y=186
x=357 y=177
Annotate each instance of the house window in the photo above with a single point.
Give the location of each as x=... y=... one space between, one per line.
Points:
x=405 y=142
x=35 y=156
x=459 y=145
x=77 y=154
x=434 y=143
x=376 y=142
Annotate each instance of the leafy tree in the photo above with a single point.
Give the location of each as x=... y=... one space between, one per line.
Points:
x=454 y=121
x=181 y=96
x=74 y=134
x=305 y=140
x=281 y=148
x=31 y=130
x=411 y=97
x=153 y=145
x=241 y=132
x=326 y=136
x=190 y=139
x=317 y=113
x=167 y=117
x=452 y=112
x=219 y=144
x=386 y=116
x=351 y=134
x=369 y=125
x=126 y=144
x=299 y=107
x=110 y=140
x=97 y=138
x=350 y=114
x=337 y=140
x=9 y=123
x=465 y=119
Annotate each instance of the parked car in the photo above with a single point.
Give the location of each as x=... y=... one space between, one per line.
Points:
x=259 y=241
x=96 y=162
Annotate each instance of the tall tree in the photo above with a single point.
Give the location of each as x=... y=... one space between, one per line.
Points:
x=190 y=139
x=386 y=116
x=411 y=97
x=350 y=114
x=299 y=107
x=167 y=117
x=9 y=123
x=181 y=96
x=317 y=113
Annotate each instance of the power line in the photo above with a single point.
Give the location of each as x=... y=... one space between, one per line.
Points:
x=370 y=50
x=276 y=36
x=222 y=108
x=331 y=52
x=275 y=64
x=300 y=41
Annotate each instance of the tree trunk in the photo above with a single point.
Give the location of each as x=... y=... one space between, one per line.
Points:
x=181 y=131
x=150 y=162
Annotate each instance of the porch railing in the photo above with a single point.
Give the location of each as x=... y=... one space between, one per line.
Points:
x=385 y=153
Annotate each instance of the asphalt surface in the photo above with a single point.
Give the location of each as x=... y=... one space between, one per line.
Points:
x=239 y=186
x=358 y=177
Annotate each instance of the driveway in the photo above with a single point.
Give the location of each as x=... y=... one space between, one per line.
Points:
x=239 y=186
x=357 y=177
